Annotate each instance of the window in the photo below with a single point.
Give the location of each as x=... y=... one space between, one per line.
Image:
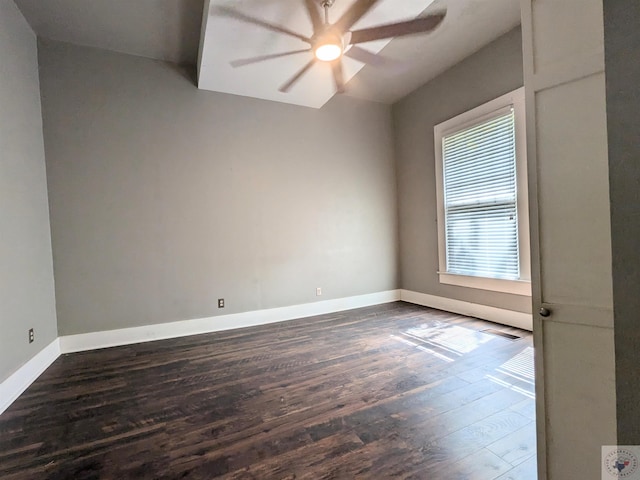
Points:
x=483 y=221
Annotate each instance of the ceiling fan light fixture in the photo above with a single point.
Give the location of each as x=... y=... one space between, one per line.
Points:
x=328 y=52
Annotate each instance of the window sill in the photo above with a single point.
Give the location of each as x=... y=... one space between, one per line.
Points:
x=515 y=287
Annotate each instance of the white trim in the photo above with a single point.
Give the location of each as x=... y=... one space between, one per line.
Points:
x=19 y=381
x=160 y=331
x=515 y=287
x=515 y=99
x=569 y=69
x=493 y=314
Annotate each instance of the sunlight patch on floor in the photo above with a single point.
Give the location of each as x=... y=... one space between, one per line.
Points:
x=451 y=337
x=422 y=348
x=517 y=373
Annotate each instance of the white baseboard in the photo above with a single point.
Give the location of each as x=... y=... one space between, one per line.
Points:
x=160 y=331
x=493 y=314
x=19 y=381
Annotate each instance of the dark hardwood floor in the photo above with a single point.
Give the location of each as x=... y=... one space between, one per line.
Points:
x=393 y=391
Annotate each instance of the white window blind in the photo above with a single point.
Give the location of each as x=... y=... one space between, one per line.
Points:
x=480 y=199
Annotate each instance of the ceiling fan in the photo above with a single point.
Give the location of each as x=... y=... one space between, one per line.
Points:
x=331 y=41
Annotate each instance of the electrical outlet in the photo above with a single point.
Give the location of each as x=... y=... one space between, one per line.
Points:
x=318 y=291
x=221 y=303
x=32 y=335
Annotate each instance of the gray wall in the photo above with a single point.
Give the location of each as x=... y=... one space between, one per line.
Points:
x=622 y=48
x=489 y=73
x=26 y=273
x=165 y=198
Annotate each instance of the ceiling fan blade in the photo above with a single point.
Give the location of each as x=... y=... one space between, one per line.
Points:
x=248 y=61
x=338 y=75
x=419 y=25
x=287 y=86
x=235 y=14
x=355 y=13
x=314 y=15
x=365 y=56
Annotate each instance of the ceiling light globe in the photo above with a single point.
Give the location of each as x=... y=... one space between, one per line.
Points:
x=328 y=52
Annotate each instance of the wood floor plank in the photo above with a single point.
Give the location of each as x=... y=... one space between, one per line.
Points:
x=391 y=391
x=527 y=470
x=526 y=408
x=482 y=465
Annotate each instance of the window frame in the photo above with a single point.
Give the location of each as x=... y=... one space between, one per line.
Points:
x=480 y=114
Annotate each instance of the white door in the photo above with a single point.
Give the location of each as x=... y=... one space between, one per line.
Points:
x=571 y=235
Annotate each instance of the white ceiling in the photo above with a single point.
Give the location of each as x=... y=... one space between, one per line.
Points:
x=225 y=40
x=469 y=26
x=171 y=30
x=161 y=29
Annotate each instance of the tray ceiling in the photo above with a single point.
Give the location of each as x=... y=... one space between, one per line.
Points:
x=173 y=30
x=225 y=40
x=161 y=29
